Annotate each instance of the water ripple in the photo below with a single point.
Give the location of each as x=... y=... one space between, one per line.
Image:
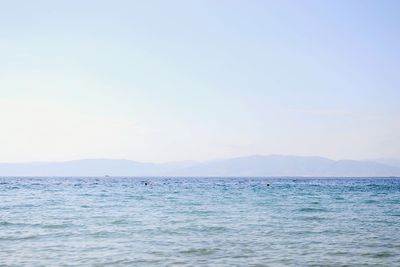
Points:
x=92 y=221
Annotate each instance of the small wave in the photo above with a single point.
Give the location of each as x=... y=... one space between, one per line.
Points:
x=312 y=210
x=56 y=226
x=312 y=218
x=370 y=201
x=5 y=223
x=45 y=226
x=200 y=251
x=19 y=238
x=379 y=255
x=215 y=228
x=119 y=222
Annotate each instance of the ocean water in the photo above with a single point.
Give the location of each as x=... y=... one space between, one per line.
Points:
x=199 y=222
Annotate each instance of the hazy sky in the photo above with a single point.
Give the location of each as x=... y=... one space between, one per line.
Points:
x=176 y=80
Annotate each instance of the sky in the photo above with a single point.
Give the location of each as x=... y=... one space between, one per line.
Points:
x=174 y=80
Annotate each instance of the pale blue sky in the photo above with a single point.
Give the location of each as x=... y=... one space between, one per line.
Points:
x=177 y=80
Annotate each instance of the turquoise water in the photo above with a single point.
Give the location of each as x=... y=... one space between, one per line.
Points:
x=199 y=222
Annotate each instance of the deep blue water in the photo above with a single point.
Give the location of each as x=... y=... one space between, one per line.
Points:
x=199 y=222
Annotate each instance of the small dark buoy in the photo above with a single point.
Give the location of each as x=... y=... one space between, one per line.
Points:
x=267 y=184
x=145 y=183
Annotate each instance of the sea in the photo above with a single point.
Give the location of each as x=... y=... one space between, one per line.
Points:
x=202 y=221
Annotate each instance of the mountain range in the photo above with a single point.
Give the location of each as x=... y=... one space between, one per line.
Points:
x=272 y=165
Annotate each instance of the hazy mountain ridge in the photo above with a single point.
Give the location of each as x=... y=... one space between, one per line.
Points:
x=387 y=161
x=272 y=165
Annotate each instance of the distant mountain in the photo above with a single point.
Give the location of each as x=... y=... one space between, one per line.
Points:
x=273 y=165
x=388 y=161
x=86 y=167
x=278 y=165
x=259 y=166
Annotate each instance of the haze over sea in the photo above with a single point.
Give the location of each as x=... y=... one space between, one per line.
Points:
x=125 y=221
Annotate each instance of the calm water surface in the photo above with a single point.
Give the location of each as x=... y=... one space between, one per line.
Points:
x=199 y=222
